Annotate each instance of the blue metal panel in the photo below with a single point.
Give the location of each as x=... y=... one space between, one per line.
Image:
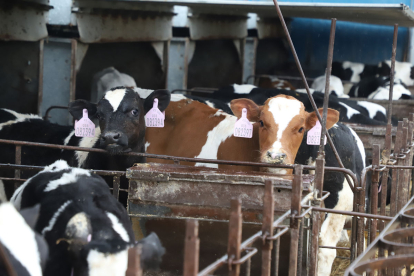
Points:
x=356 y=42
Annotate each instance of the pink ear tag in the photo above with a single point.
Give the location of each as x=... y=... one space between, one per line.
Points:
x=154 y=117
x=314 y=135
x=84 y=127
x=243 y=128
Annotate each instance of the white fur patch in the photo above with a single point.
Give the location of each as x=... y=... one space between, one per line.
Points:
x=215 y=137
x=243 y=88
x=331 y=230
x=210 y=104
x=87 y=142
x=402 y=71
x=114 y=264
x=55 y=217
x=118 y=227
x=115 y=97
x=67 y=178
x=178 y=97
x=335 y=84
x=19 y=118
x=359 y=144
x=17 y=195
x=383 y=93
x=349 y=110
x=356 y=68
x=67 y=139
x=283 y=111
x=19 y=239
x=303 y=90
x=147 y=145
x=372 y=108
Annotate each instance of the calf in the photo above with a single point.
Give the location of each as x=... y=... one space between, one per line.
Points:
x=26 y=250
x=353 y=71
x=403 y=71
x=279 y=137
x=87 y=229
x=335 y=86
x=378 y=88
x=121 y=129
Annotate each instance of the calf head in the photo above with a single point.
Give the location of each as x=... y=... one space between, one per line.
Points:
x=283 y=122
x=121 y=117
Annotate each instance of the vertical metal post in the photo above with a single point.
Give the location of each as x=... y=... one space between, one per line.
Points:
x=394 y=52
x=294 y=222
x=134 y=262
x=267 y=227
x=40 y=88
x=72 y=91
x=277 y=247
x=394 y=184
x=18 y=161
x=116 y=183
x=191 y=249
x=235 y=236
x=165 y=59
x=328 y=78
x=374 y=190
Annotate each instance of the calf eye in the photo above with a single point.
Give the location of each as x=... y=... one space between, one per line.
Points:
x=261 y=123
x=301 y=130
x=99 y=117
x=134 y=112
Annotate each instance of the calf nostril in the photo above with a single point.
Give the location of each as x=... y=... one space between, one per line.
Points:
x=116 y=136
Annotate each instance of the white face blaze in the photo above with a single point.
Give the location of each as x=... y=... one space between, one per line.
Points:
x=283 y=111
x=115 y=97
x=118 y=227
x=114 y=264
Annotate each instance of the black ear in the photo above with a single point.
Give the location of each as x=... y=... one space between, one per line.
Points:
x=163 y=97
x=76 y=109
x=31 y=215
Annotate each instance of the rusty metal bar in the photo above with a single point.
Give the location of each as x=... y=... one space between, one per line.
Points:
x=316 y=221
x=46 y=117
x=267 y=227
x=277 y=250
x=392 y=73
x=294 y=222
x=134 y=261
x=374 y=190
x=302 y=74
x=235 y=236
x=40 y=87
x=192 y=249
x=72 y=92
x=18 y=161
x=327 y=80
x=167 y=157
x=394 y=185
x=348 y=213
x=116 y=183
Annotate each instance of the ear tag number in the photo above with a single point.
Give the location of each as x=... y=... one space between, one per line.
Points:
x=314 y=135
x=84 y=127
x=154 y=117
x=243 y=128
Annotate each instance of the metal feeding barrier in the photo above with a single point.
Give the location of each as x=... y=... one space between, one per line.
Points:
x=304 y=213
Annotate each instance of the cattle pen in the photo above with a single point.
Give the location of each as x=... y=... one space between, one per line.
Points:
x=200 y=212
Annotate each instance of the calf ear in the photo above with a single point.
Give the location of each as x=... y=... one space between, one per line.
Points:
x=163 y=97
x=76 y=109
x=331 y=119
x=253 y=110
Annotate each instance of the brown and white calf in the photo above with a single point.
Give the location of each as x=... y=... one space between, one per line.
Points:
x=193 y=129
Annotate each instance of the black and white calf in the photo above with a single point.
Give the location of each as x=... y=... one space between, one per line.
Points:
x=26 y=250
x=120 y=115
x=403 y=71
x=87 y=229
x=378 y=88
x=335 y=86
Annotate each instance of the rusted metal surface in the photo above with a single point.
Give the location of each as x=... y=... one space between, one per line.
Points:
x=23 y=20
x=134 y=261
x=235 y=238
x=192 y=249
x=374 y=188
x=100 y=25
x=18 y=161
x=392 y=239
x=267 y=227
x=40 y=88
x=74 y=47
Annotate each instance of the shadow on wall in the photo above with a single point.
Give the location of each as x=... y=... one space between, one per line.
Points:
x=215 y=63
x=137 y=59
